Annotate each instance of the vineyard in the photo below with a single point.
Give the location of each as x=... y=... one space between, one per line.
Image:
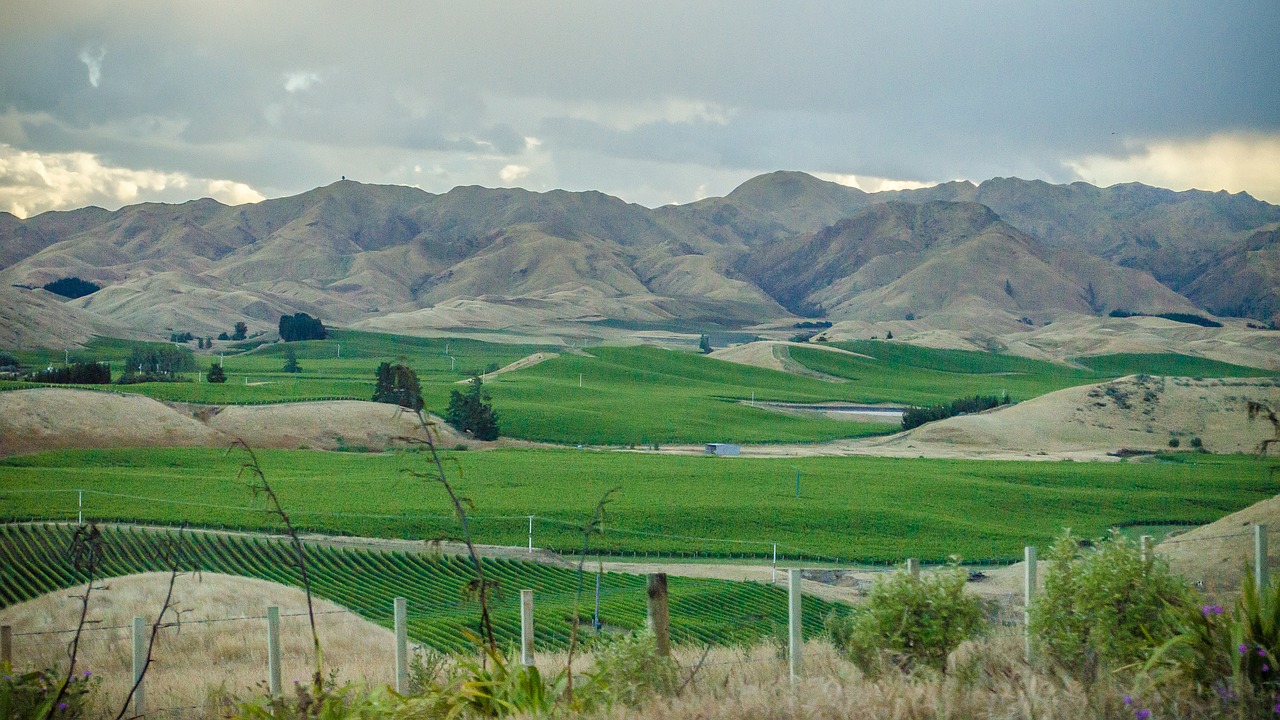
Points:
x=34 y=560
x=860 y=509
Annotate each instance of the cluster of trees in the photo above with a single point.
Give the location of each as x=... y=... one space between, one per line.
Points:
x=8 y=362
x=157 y=364
x=916 y=416
x=397 y=384
x=301 y=326
x=469 y=412
x=72 y=287
x=472 y=411
x=77 y=373
x=240 y=332
x=181 y=337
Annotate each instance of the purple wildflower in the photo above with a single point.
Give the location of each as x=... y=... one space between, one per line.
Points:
x=1128 y=700
x=1142 y=714
x=62 y=706
x=1262 y=653
x=1208 y=610
x=87 y=673
x=1243 y=648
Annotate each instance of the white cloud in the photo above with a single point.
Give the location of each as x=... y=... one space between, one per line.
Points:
x=511 y=173
x=624 y=116
x=1231 y=161
x=299 y=81
x=92 y=58
x=32 y=183
x=871 y=184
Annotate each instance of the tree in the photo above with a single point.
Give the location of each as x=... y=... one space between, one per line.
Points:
x=291 y=361
x=704 y=343
x=216 y=375
x=398 y=384
x=473 y=412
x=223 y=336
x=241 y=332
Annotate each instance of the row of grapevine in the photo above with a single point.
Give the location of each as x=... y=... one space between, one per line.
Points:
x=34 y=560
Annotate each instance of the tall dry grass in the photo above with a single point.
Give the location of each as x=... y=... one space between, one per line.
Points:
x=197 y=663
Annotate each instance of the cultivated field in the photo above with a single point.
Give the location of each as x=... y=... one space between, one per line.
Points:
x=856 y=508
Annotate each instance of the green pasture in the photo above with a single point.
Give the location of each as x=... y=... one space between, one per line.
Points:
x=639 y=396
x=853 y=509
x=34 y=562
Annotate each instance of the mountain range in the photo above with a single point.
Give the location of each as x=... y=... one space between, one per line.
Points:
x=1006 y=252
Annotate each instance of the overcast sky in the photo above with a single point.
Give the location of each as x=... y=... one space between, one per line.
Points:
x=110 y=103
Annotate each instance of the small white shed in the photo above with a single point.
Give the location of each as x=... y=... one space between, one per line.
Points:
x=723 y=449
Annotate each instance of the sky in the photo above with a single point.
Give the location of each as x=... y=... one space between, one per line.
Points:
x=113 y=103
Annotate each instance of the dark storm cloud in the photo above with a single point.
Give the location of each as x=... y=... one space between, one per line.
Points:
x=642 y=99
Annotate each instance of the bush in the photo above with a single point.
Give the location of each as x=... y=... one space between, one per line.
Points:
x=911 y=622
x=77 y=373
x=1102 y=606
x=31 y=694
x=1226 y=655
x=472 y=412
x=216 y=375
x=291 y=361
x=1174 y=442
x=629 y=670
x=8 y=362
x=72 y=287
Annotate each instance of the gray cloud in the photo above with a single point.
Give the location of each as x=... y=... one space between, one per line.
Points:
x=651 y=101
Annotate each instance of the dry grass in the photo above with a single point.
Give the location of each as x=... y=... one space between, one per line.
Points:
x=200 y=661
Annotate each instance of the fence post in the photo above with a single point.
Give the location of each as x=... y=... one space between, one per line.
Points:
x=526 y=627
x=659 y=618
x=139 y=664
x=6 y=645
x=1260 y=557
x=1147 y=555
x=400 y=607
x=795 y=638
x=273 y=652
x=913 y=567
x=1029 y=594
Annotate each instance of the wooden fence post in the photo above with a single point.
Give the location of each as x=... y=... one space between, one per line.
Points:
x=400 y=608
x=139 y=664
x=913 y=567
x=274 y=681
x=6 y=645
x=1260 y=557
x=1147 y=555
x=1028 y=596
x=526 y=627
x=795 y=636
x=659 y=617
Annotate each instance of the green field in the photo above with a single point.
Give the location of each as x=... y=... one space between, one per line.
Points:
x=642 y=395
x=850 y=509
x=34 y=561
x=898 y=372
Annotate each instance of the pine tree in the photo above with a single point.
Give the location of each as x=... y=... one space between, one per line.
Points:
x=291 y=361
x=216 y=375
x=704 y=343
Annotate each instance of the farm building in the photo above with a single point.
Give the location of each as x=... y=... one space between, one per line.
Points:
x=724 y=449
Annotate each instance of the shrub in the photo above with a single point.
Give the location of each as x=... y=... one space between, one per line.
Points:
x=1102 y=606
x=629 y=670
x=216 y=375
x=72 y=287
x=1226 y=655
x=912 y=622
x=31 y=694
x=1174 y=442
